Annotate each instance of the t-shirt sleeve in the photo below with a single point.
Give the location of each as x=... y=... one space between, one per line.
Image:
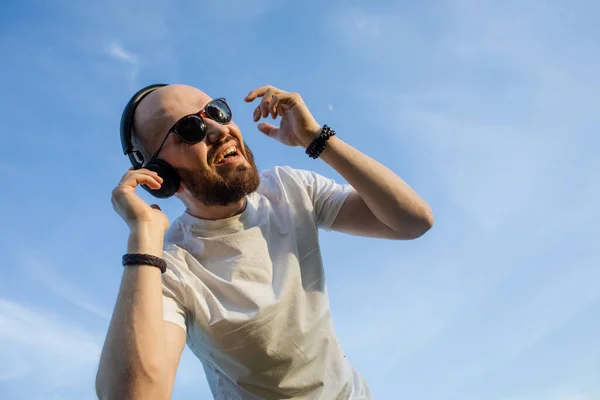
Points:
x=173 y=294
x=327 y=195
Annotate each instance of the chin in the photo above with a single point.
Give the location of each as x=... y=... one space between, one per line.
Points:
x=220 y=188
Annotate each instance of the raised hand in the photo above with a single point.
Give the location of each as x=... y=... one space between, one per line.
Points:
x=298 y=127
x=135 y=211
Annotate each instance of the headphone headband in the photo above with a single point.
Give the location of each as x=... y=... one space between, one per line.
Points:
x=135 y=156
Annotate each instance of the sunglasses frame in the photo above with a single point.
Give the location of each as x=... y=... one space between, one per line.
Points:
x=200 y=115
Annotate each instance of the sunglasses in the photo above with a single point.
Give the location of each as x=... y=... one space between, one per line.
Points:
x=191 y=129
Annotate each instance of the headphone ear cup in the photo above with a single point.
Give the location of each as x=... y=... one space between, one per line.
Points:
x=171 y=180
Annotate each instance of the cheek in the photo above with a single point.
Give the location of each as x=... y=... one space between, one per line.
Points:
x=235 y=131
x=188 y=157
x=195 y=156
x=237 y=134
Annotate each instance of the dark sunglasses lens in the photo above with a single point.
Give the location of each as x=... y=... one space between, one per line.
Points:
x=219 y=111
x=190 y=129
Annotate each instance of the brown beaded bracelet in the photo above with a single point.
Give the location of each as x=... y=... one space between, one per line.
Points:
x=145 y=259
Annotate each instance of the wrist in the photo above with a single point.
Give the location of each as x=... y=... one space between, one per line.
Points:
x=145 y=239
x=319 y=143
x=310 y=135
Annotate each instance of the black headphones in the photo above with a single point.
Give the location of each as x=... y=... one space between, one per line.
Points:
x=171 y=180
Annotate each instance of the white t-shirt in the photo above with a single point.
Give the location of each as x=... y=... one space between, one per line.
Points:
x=250 y=292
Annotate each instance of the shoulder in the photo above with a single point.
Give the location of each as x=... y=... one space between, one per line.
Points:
x=282 y=173
x=276 y=179
x=286 y=176
x=284 y=184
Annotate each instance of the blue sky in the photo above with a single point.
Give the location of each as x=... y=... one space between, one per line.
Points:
x=488 y=109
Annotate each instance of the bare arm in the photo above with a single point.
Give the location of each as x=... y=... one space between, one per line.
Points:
x=382 y=205
x=141 y=351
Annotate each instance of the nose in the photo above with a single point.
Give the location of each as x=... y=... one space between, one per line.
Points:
x=215 y=131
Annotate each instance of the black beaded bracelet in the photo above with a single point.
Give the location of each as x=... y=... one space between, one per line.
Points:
x=145 y=259
x=316 y=147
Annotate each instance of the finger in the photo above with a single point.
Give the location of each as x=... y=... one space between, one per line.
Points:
x=141 y=171
x=256 y=115
x=151 y=172
x=128 y=184
x=273 y=105
x=151 y=182
x=289 y=98
x=268 y=129
x=264 y=104
x=144 y=171
x=141 y=178
x=259 y=92
x=280 y=110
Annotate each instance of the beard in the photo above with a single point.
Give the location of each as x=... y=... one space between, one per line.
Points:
x=212 y=188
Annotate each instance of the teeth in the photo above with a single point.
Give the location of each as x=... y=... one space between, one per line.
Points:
x=226 y=152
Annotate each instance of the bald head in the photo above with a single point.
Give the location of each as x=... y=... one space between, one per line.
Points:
x=159 y=111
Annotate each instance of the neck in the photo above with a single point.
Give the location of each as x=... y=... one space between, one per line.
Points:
x=202 y=211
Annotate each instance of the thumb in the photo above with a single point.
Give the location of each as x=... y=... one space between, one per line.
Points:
x=268 y=129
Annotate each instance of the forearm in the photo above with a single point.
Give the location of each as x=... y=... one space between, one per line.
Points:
x=390 y=199
x=133 y=360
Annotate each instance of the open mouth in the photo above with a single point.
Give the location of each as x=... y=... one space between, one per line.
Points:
x=230 y=154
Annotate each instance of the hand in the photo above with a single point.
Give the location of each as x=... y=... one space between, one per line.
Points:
x=135 y=211
x=297 y=128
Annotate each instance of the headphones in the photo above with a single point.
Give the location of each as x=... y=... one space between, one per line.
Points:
x=171 y=179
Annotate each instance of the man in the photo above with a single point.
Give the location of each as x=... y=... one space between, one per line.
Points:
x=243 y=278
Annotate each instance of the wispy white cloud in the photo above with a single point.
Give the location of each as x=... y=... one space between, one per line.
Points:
x=495 y=103
x=497 y=127
x=38 y=344
x=492 y=144
x=15 y=370
x=494 y=174
x=506 y=331
x=190 y=380
x=117 y=51
x=43 y=273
